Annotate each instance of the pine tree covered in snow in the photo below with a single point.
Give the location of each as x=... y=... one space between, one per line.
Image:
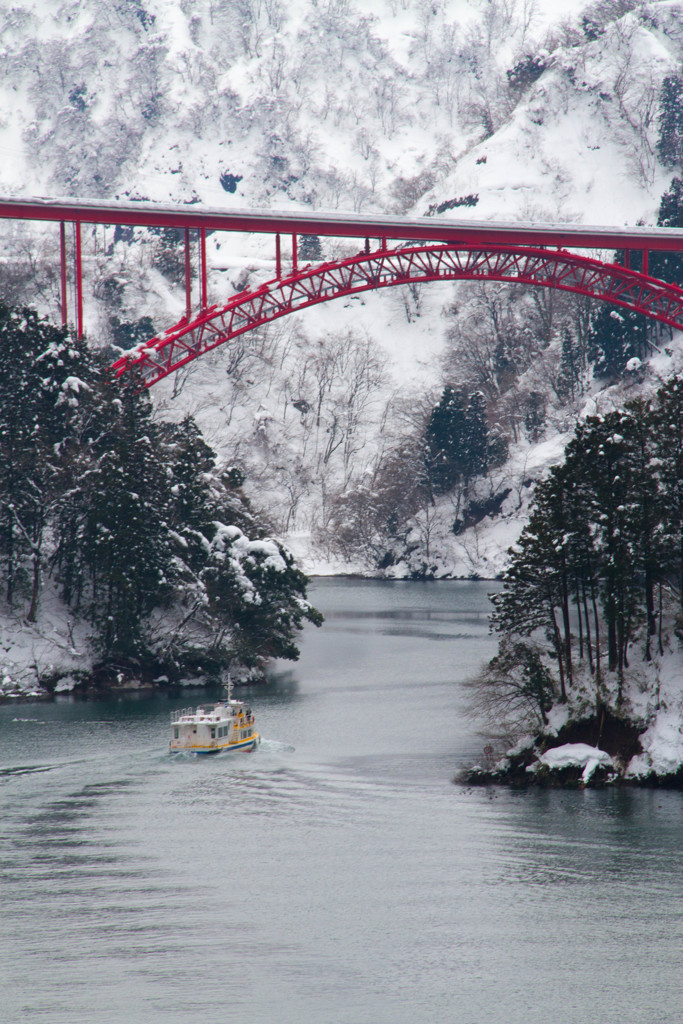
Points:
x=670 y=142
x=616 y=336
x=456 y=439
x=40 y=392
x=125 y=544
x=669 y=265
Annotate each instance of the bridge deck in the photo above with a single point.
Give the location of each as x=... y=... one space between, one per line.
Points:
x=342 y=225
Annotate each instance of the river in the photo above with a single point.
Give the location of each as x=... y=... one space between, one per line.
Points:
x=337 y=875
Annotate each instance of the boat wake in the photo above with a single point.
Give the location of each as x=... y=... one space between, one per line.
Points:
x=266 y=746
x=27 y=769
x=275 y=746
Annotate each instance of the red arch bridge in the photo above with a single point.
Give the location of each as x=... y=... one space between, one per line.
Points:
x=395 y=251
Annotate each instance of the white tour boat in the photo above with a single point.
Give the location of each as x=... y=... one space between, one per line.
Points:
x=227 y=725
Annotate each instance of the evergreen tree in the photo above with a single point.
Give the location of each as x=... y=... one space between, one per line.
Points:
x=456 y=439
x=615 y=336
x=127 y=333
x=602 y=447
x=476 y=440
x=310 y=250
x=526 y=72
x=535 y=588
x=40 y=391
x=669 y=265
x=572 y=365
x=667 y=434
x=534 y=418
x=126 y=545
x=649 y=506
x=255 y=586
x=670 y=141
x=190 y=461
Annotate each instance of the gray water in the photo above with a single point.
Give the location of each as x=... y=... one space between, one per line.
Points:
x=337 y=874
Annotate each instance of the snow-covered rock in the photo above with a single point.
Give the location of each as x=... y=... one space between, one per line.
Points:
x=662 y=745
x=575 y=755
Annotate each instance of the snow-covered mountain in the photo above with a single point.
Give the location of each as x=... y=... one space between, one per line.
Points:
x=489 y=109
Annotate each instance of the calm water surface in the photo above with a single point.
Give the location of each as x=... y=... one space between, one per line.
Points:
x=337 y=874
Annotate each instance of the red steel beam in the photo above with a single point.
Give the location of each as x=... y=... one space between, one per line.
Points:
x=340 y=225
x=540 y=267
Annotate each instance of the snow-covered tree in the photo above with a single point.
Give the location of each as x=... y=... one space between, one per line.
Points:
x=616 y=335
x=670 y=141
x=456 y=439
x=669 y=265
x=40 y=392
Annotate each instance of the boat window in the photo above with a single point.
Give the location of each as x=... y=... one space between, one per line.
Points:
x=176 y=732
x=213 y=732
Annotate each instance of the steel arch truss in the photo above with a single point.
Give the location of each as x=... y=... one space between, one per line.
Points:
x=384 y=268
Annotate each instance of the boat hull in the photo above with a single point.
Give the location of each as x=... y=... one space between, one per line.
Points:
x=202 y=749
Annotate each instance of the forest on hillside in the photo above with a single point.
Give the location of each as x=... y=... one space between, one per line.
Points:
x=419 y=108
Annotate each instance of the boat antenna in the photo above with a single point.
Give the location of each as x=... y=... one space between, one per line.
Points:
x=228 y=687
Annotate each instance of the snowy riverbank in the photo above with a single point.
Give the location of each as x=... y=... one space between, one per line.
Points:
x=592 y=752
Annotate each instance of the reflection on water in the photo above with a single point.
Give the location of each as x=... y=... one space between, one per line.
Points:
x=336 y=874
x=409 y=615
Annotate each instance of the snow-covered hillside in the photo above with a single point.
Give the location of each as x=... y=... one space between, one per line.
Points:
x=489 y=109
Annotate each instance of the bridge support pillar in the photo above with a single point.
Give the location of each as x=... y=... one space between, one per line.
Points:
x=278 y=258
x=294 y=255
x=62 y=269
x=202 y=260
x=644 y=268
x=79 y=280
x=188 y=276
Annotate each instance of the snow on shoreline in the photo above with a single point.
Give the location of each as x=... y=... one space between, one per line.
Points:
x=55 y=644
